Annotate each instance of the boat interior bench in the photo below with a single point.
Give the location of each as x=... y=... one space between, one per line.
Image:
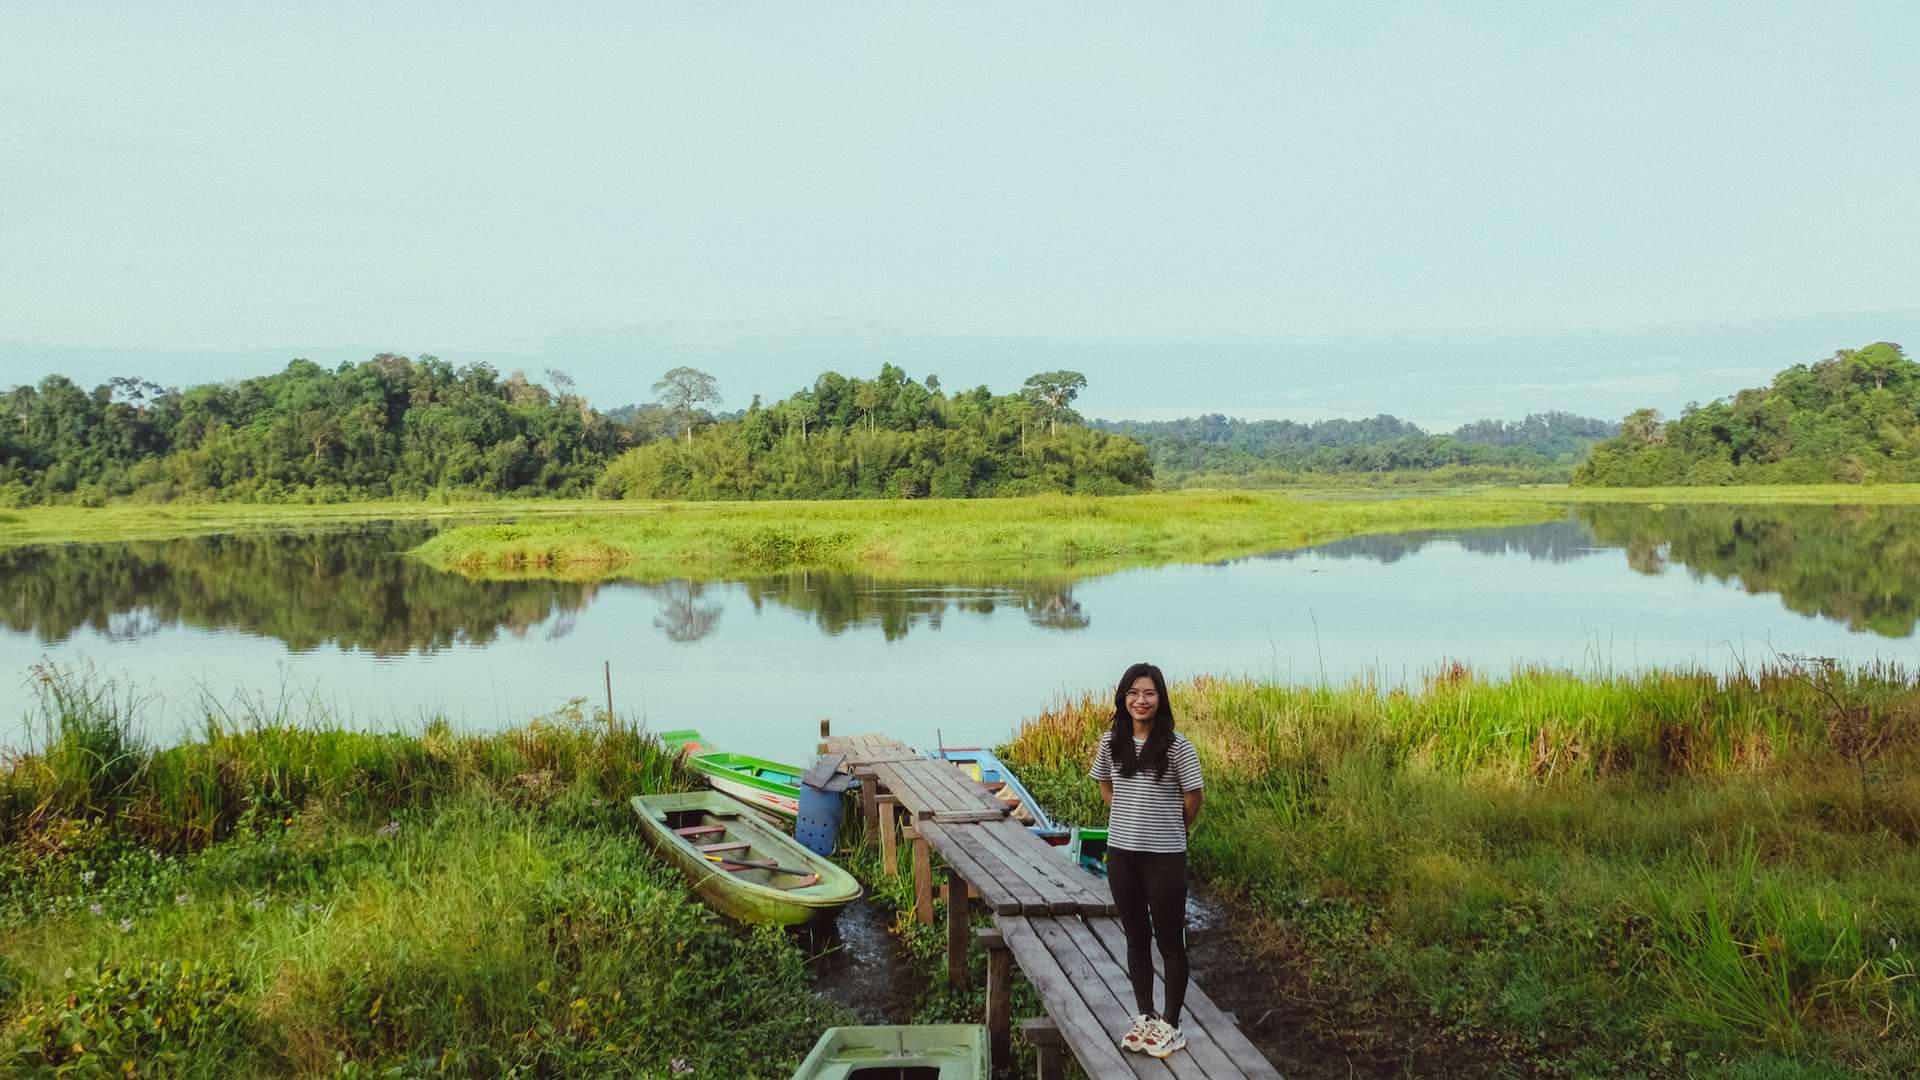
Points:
x=1078 y=965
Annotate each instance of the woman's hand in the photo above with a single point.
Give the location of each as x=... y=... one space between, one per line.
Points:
x=1106 y=792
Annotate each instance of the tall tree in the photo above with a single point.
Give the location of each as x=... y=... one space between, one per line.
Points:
x=1053 y=391
x=683 y=388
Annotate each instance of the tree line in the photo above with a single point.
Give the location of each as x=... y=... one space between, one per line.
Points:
x=386 y=427
x=1544 y=446
x=889 y=436
x=1851 y=418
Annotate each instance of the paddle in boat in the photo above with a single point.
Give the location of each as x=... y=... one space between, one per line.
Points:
x=769 y=786
x=899 y=1052
x=992 y=773
x=743 y=866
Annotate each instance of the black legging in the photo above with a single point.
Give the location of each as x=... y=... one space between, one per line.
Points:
x=1150 y=889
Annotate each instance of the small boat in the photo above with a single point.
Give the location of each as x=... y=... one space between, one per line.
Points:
x=993 y=774
x=899 y=1052
x=740 y=864
x=1088 y=847
x=768 y=786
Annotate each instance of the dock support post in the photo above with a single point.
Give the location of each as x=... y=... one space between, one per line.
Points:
x=869 y=797
x=1043 y=1035
x=889 y=831
x=826 y=732
x=922 y=875
x=999 y=997
x=957 y=909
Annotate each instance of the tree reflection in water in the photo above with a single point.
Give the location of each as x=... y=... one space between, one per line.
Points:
x=682 y=615
x=1856 y=565
x=348 y=587
x=841 y=601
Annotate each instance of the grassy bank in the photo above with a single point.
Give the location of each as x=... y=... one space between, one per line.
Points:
x=149 y=521
x=289 y=902
x=1078 y=534
x=1659 y=875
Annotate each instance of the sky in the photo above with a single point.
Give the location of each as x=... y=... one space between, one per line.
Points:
x=1443 y=211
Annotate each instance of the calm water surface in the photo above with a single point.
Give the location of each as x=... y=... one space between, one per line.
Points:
x=342 y=622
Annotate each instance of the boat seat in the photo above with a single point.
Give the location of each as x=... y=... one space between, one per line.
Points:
x=700 y=830
x=734 y=845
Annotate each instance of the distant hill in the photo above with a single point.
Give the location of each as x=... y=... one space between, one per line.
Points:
x=1216 y=448
x=1851 y=418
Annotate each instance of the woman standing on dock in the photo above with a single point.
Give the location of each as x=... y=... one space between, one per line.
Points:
x=1150 y=779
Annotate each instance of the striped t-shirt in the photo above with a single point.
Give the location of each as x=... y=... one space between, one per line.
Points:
x=1149 y=814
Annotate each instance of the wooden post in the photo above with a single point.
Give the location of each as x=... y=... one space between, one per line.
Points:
x=1043 y=1035
x=825 y=733
x=869 y=797
x=956 y=931
x=889 y=829
x=606 y=668
x=999 y=997
x=922 y=876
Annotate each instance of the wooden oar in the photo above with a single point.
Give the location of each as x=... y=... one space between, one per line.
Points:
x=755 y=864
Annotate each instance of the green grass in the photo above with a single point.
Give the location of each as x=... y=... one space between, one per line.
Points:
x=1065 y=534
x=284 y=901
x=1666 y=874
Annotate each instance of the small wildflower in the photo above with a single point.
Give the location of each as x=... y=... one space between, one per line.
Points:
x=680 y=1066
x=389 y=829
x=126 y=925
x=258 y=903
x=95 y=908
x=180 y=899
x=86 y=877
x=299 y=911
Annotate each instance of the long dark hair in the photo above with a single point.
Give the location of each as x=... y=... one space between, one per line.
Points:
x=1120 y=745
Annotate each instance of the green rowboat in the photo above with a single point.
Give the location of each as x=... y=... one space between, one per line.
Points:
x=768 y=786
x=740 y=864
x=920 y=1052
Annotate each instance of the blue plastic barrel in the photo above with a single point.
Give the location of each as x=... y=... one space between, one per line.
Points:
x=819 y=820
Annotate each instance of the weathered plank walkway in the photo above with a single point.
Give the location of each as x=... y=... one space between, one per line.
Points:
x=1050 y=917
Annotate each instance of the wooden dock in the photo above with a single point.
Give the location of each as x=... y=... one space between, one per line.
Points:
x=1053 y=919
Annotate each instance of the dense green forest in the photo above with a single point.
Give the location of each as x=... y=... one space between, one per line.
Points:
x=1215 y=449
x=389 y=426
x=889 y=436
x=1851 y=418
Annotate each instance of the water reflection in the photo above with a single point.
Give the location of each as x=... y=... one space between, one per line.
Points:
x=1553 y=542
x=352 y=588
x=839 y=602
x=1856 y=565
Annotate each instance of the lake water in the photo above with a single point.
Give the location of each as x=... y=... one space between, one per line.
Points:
x=341 y=621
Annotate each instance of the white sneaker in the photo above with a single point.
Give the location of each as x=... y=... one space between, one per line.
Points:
x=1135 y=1033
x=1162 y=1039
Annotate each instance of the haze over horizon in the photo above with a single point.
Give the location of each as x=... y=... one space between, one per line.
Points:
x=1442 y=213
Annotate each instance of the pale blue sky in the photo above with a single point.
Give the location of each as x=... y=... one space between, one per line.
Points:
x=1439 y=210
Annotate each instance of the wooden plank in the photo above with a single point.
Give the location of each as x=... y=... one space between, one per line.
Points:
x=949 y=779
x=1105 y=987
x=1097 y=1046
x=1220 y=1027
x=1086 y=891
x=1202 y=1059
x=1043 y=1035
x=904 y=785
x=700 y=830
x=980 y=882
x=1055 y=896
x=733 y=845
x=966 y=788
x=1029 y=898
x=823 y=770
x=939 y=795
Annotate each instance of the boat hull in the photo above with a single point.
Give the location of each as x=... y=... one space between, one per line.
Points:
x=989 y=769
x=771 y=787
x=953 y=1051
x=679 y=825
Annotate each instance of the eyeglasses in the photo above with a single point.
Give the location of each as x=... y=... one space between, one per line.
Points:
x=1135 y=695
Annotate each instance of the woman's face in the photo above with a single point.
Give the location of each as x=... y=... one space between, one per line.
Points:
x=1143 y=701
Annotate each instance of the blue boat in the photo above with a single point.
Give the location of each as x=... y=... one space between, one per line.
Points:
x=993 y=774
